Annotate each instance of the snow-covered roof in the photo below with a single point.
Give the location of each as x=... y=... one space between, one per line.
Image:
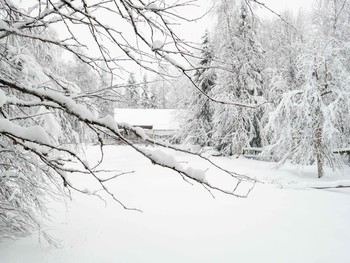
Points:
x=160 y=119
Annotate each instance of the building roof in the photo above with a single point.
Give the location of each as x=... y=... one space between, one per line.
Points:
x=159 y=119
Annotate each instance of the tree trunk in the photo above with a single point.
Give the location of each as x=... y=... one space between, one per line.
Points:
x=320 y=171
x=318 y=134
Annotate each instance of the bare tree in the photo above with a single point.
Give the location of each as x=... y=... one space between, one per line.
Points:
x=41 y=111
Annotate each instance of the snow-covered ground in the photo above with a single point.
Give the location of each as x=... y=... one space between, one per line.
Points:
x=282 y=222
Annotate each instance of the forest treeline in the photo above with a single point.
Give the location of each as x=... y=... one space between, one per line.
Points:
x=291 y=75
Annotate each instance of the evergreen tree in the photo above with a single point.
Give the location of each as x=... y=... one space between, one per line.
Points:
x=241 y=62
x=197 y=121
x=148 y=98
x=132 y=97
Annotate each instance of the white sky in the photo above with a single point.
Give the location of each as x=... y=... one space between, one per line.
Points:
x=281 y=5
x=193 y=31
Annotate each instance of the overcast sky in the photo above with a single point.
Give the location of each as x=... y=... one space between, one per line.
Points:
x=294 y=5
x=192 y=31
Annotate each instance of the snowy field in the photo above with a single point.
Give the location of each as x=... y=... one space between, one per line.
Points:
x=283 y=220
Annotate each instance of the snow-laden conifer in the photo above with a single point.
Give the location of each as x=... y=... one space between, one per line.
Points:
x=239 y=78
x=197 y=122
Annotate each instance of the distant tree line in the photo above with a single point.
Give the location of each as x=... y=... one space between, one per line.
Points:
x=292 y=75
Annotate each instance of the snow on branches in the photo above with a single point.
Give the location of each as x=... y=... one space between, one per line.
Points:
x=309 y=123
x=45 y=111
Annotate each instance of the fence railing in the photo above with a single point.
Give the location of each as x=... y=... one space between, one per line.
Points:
x=253 y=152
